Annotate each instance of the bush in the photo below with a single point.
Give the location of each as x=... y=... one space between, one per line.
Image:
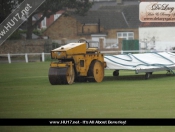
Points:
x=15 y=36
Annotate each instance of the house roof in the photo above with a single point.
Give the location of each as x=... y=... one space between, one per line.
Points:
x=112 y=3
x=108 y=19
x=132 y=15
x=119 y=16
x=113 y=17
x=129 y=11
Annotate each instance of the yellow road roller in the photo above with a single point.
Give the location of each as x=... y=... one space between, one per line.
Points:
x=76 y=62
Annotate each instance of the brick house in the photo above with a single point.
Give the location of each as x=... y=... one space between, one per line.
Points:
x=46 y=22
x=108 y=22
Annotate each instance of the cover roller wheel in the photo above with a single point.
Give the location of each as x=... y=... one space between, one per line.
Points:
x=116 y=73
x=147 y=75
x=65 y=75
x=96 y=71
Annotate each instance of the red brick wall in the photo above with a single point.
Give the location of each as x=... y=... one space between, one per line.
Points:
x=49 y=20
x=64 y=27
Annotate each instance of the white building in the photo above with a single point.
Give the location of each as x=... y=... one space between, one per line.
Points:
x=157 y=38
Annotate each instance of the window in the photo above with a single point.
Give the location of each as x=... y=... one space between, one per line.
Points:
x=125 y=35
x=130 y=34
x=119 y=35
x=43 y=23
x=56 y=16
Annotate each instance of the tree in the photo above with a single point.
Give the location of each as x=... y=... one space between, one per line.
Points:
x=50 y=7
x=6 y=7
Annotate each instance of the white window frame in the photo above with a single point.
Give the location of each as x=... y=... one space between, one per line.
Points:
x=43 y=23
x=56 y=16
x=125 y=35
x=128 y=36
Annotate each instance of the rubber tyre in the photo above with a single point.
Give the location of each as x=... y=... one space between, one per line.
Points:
x=116 y=73
x=147 y=75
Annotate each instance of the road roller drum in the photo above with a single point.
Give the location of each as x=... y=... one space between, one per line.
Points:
x=61 y=75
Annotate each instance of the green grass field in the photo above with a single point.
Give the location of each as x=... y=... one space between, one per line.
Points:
x=25 y=92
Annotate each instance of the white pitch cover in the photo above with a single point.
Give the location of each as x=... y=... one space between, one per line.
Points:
x=140 y=61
